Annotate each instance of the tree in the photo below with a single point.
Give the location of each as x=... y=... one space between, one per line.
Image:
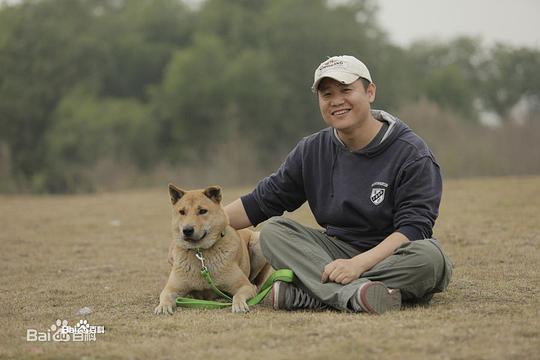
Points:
x=50 y=47
x=447 y=74
x=86 y=131
x=507 y=76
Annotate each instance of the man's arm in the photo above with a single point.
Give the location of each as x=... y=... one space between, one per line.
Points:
x=236 y=212
x=343 y=271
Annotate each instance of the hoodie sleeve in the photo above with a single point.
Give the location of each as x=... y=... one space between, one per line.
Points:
x=417 y=198
x=279 y=192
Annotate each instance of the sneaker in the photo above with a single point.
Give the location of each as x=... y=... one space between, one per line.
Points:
x=375 y=298
x=286 y=296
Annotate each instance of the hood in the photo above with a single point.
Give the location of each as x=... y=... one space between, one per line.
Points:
x=396 y=127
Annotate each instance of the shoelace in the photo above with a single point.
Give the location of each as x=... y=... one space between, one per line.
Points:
x=303 y=300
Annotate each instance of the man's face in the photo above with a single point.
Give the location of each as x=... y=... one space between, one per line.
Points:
x=345 y=107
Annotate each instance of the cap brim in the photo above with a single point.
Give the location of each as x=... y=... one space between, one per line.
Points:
x=344 y=78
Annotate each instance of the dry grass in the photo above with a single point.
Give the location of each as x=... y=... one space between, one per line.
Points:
x=108 y=252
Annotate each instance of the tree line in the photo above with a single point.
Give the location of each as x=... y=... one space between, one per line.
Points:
x=142 y=84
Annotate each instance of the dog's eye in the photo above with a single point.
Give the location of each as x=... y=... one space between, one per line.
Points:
x=182 y=212
x=202 y=211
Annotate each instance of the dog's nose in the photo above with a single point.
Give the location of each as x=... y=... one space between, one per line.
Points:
x=188 y=230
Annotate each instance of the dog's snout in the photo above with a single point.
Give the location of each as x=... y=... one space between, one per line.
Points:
x=188 y=230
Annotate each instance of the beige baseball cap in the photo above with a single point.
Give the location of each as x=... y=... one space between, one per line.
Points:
x=345 y=68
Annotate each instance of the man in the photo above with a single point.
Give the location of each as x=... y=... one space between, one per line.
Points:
x=373 y=186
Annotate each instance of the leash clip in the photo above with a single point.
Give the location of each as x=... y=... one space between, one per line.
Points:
x=199 y=256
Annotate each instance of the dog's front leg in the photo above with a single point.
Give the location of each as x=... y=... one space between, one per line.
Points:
x=242 y=291
x=170 y=254
x=167 y=298
x=239 y=302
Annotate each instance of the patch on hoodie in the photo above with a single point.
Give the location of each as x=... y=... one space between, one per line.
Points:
x=378 y=190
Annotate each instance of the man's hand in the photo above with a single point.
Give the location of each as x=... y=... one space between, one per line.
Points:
x=342 y=271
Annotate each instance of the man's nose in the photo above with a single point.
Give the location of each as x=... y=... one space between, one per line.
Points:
x=336 y=100
x=187 y=230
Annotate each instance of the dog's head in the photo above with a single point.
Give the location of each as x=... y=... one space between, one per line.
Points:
x=198 y=219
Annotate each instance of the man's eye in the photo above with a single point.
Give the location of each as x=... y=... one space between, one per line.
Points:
x=182 y=212
x=202 y=211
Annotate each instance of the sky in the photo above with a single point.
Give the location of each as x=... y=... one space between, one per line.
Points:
x=515 y=22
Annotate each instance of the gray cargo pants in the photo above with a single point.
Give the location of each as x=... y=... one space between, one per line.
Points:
x=419 y=268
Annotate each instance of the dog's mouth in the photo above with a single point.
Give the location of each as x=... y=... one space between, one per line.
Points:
x=194 y=239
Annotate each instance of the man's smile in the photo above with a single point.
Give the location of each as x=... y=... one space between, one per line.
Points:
x=340 y=111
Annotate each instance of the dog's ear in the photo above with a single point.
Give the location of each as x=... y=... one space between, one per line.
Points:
x=176 y=193
x=213 y=193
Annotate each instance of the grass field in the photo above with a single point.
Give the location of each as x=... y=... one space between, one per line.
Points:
x=108 y=252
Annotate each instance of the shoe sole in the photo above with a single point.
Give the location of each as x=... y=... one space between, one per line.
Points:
x=375 y=298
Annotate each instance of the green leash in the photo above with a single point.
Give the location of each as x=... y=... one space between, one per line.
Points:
x=285 y=275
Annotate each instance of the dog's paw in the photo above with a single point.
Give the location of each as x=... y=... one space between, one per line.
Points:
x=165 y=309
x=239 y=306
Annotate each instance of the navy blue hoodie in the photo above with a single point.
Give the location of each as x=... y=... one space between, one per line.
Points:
x=361 y=197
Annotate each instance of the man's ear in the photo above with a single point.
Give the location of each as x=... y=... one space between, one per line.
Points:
x=176 y=193
x=213 y=193
x=371 y=91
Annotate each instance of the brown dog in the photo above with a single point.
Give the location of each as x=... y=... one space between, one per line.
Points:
x=232 y=257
